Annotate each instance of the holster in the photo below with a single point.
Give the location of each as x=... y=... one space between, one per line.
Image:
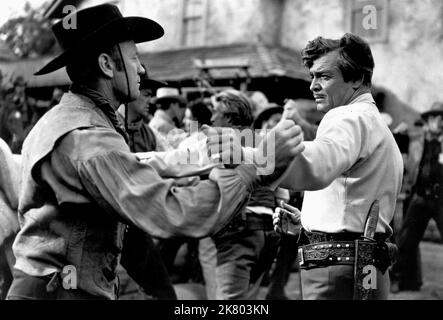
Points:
x=370 y=256
x=26 y=287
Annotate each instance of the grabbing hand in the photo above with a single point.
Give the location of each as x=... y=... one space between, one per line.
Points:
x=286 y=219
x=223 y=146
x=291 y=112
x=278 y=148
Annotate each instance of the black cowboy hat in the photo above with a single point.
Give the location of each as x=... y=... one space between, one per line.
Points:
x=148 y=83
x=266 y=113
x=152 y=84
x=436 y=109
x=98 y=27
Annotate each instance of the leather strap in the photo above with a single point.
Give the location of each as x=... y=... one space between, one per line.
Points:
x=308 y=237
x=326 y=253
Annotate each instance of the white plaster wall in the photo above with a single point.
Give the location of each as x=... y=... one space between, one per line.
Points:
x=227 y=21
x=167 y=13
x=303 y=20
x=232 y=21
x=410 y=64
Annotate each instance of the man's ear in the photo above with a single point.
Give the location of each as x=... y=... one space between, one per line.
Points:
x=229 y=119
x=106 y=65
x=357 y=83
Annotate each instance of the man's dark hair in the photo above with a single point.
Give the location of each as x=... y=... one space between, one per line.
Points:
x=355 y=59
x=85 y=66
x=200 y=111
x=165 y=103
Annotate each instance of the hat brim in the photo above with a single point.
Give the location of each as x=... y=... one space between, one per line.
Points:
x=136 y=29
x=427 y=114
x=178 y=98
x=152 y=84
x=265 y=115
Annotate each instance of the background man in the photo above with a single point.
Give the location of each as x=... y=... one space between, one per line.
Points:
x=246 y=250
x=169 y=115
x=142 y=138
x=425 y=179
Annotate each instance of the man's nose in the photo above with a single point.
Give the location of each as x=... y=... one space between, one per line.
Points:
x=315 y=86
x=141 y=70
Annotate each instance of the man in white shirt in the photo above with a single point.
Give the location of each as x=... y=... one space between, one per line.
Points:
x=353 y=161
x=168 y=118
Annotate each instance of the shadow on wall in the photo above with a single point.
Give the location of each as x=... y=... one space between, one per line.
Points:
x=399 y=111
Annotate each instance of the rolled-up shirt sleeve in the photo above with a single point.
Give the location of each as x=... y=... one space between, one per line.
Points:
x=164 y=207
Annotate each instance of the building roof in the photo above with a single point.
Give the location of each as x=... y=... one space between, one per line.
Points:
x=259 y=59
x=223 y=62
x=55 y=8
x=6 y=53
x=26 y=69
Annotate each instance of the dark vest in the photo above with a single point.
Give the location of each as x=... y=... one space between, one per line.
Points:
x=430 y=176
x=54 y=235
x=141 y=138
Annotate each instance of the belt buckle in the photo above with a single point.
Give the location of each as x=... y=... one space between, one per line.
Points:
x=301 y=258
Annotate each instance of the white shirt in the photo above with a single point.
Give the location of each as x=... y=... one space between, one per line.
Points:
x=163 y=124
x=196 y=145
x=353 y=161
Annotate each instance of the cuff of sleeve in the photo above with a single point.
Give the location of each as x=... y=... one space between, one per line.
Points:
x=248 y=174
x=248 y=155
x=282 y=194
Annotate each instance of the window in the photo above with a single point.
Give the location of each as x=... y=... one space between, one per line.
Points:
x=193 y=23
x=369 y=19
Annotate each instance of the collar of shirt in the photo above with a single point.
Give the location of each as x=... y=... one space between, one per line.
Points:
x=135 y=126
x=362 y=102
x=365 y=97
x=164 y=116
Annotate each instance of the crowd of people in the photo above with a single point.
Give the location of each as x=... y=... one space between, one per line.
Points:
x=119 y=179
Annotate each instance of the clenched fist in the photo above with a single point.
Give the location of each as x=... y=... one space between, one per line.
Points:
x=223 y=145
x=278 y=148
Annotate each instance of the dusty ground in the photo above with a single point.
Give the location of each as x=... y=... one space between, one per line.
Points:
x=432 y=264
x=432 y=289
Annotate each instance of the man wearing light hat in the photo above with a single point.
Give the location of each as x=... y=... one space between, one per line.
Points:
x=81 y=186
x=168 y=117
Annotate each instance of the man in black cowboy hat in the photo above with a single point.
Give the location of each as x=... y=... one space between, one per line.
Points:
x=424 y=178
x=268 y=117
x=81 y=186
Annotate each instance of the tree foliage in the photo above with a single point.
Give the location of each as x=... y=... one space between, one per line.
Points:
x=29 y=35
